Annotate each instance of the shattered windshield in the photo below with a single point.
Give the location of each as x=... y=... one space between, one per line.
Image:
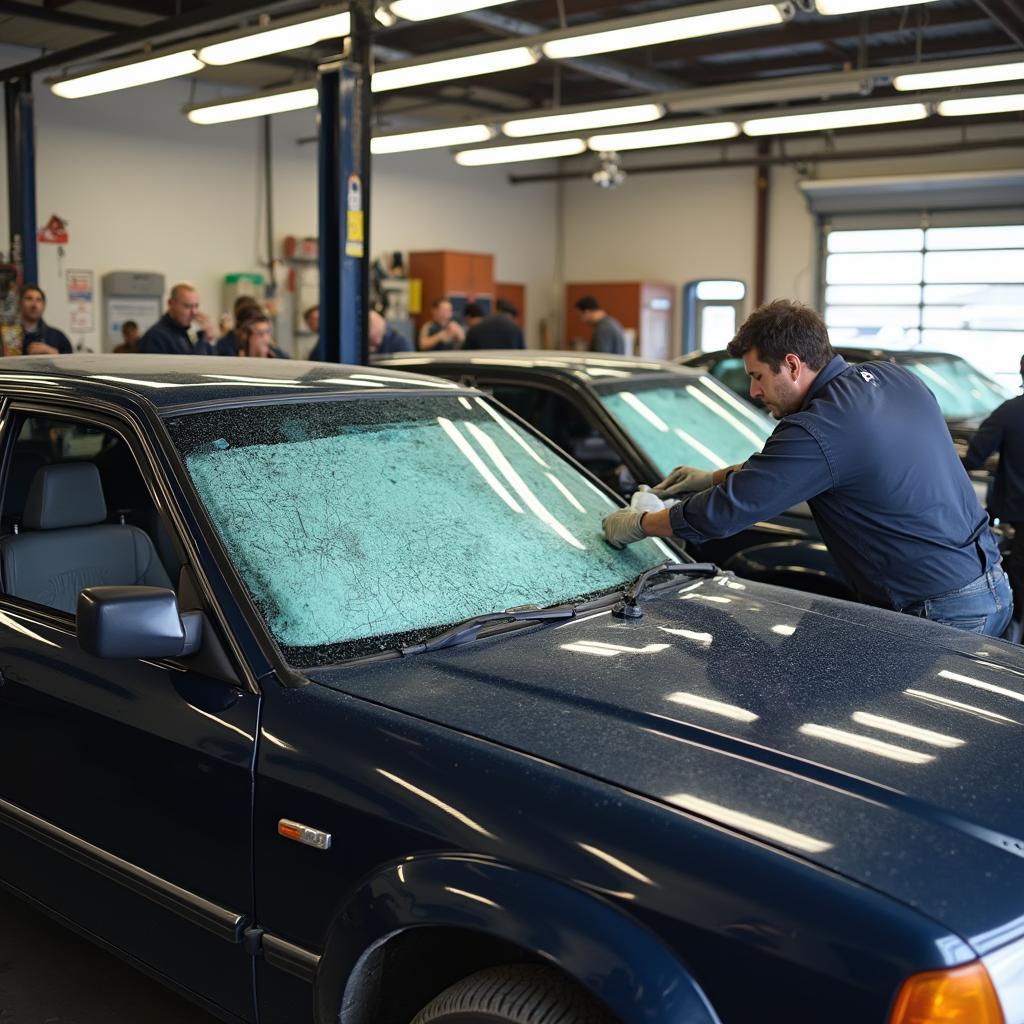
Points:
x=961 y=391
x=695 y=421
x=362 y=524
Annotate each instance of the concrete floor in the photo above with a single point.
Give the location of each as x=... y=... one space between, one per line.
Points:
x=49 y=975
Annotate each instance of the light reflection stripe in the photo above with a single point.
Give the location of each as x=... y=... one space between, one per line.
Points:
x=982 y=685
x=405 y=382
x=644 y=410
x=737 y=403
x=911 y=732
x=706 y=597
x=748 y=823
x=520 y=486
x=970 y=709
x=472 y=896
x=603 y=650
x=439 y=804
x=714 y=707
x=478 y=464
x=689 y=634
x=14 y=624
x=507 y=427
x=619 y=865
x=569 y=496
x=711 y=404
x=708 y=454
x=464 y=402
x=866 y=743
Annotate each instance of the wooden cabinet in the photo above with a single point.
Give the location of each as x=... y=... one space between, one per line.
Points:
x=514 y=293
x=644 y=307
x=460 y=277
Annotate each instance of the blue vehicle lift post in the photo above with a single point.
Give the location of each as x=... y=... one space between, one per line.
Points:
x=344 y=194
x=21 y=175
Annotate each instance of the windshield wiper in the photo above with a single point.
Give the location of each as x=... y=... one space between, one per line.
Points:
x=629 y=608
x=463 y=632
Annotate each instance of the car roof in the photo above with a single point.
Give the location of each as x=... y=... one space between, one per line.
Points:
x=172 y=383
x=593 y=368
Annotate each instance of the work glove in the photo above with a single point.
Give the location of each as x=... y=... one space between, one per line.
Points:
x=684 y=480
x=622 y=527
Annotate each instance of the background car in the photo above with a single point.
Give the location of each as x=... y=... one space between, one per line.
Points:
x=324 y=699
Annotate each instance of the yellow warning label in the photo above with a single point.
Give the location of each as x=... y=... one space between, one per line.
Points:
x=355 y=241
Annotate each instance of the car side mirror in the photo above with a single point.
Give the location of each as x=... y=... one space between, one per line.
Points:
x=136 y=622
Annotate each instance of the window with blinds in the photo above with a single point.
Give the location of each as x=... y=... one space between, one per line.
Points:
x=948 y=289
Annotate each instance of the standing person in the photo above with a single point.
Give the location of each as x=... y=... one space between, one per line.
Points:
x=441 y=332
x=472 y=315
x=256 y=341
x=499 y=330
x=608 y=336
x=867 y=447
x=1003 y=432
x=385 y=340
x=130 y=337
x=312 y=321
x=230 y=341
x=38 y=338
x=169 y=335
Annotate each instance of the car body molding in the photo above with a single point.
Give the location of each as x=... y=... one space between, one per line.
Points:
x=290 y=958
x=224 y=923
x=606 y=951
x=1005 y=967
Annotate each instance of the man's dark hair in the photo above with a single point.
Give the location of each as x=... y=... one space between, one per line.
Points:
x=473 y=309
x=242 y=303
x=780 y=327
x=26 y=288
x=437 y=302
x=129 y=323
x=251 y=315
x=309 y=312
x=506 y=307
x=587 y=304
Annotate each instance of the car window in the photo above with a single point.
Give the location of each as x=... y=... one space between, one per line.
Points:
x=695 y=422
x=961 y=391
x=363 y=524
x=733 y=374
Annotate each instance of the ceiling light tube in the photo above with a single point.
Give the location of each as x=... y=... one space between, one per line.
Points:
x=831 y=7
x=254 y=106
x=626 y=34
x=581 y=120
x=127 y=76
x=422 y=10
x=514 y=154
x=489 y=62
x=680 y=135
x=981 y=105
x=435 y=138
x=276 y=39
x=826 y=120
x=961 y=76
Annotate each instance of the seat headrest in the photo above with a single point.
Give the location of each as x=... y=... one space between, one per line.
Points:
x=67 y=494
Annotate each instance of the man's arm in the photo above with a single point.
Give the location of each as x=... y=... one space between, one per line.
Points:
x=987 y=440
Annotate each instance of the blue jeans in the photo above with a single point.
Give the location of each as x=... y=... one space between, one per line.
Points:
x=984 y=605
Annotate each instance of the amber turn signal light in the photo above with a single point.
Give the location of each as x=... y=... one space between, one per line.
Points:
x=960 y=995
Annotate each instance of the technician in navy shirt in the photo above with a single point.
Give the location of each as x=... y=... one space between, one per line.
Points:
x=169 y=335
x=499 y=330
x=867 y=447
x=39 y=339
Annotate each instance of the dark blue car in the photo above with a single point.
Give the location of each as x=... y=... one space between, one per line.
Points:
x=323 y=699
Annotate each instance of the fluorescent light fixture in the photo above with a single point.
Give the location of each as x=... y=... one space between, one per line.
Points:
x=408 y=141
x=680 y=136
x=254 y=106
x=855 y=6
x=824 y=120
x=666 y=30
x=143 y=72
x=488 y=63
x=422 y=10
x=960 y=76
x=276 y=40
x=582 y=120
x=513 y=154
x=981 y=105
x=728 y=291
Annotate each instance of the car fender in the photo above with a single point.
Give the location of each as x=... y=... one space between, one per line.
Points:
x=606 y=951
x=802 y=564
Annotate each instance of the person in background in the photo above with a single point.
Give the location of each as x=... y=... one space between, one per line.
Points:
x=169 y=335
x=229 y=342
x=499 y=330
x=1003 y=432
x=441 y=332
x=607 y=336
x=383 y=339
x=38 y=338
x=311 y=318
x=472 y=315
x=256 y=340
x=130 y=337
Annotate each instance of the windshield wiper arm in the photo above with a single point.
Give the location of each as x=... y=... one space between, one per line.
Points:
x=463 y=632
x=629 y=608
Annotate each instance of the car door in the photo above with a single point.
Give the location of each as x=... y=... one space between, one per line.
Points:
x=125 y=785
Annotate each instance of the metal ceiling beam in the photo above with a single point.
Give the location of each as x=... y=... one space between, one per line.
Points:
x=1001 y=22
x=58 y=17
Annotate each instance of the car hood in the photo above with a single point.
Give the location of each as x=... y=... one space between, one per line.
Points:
x=883 y=747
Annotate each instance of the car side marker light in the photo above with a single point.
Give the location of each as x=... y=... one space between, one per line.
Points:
x=304 y=834
x=942 y=997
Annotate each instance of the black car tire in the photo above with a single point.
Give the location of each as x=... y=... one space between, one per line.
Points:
x=516 y=994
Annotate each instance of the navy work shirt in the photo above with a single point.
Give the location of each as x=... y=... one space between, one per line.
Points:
x=168 y=337
x=48 y=335
x=1003 y=432
x=871 y=453
x=496 y=331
